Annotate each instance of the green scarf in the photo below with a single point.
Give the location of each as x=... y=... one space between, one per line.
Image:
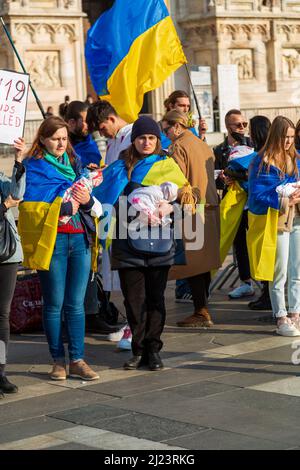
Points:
x=64 y=168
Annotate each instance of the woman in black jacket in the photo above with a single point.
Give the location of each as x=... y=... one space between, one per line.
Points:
x=143 y=277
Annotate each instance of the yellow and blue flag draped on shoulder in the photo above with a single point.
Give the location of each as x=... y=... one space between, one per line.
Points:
x=232 y=205
x=130 y=50
x=39 y=212
x=263 y=217
x=153 y=170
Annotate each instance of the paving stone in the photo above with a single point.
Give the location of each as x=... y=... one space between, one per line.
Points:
x=157 y=381
x=29 y=428
x=147 y=427
x=72 y=446
x=199 y=389
x=248 y=412
x=103 y=439
x=289 y=386
x=89 y=414
x=223 y=440
x=251 y=377
x=40 y=406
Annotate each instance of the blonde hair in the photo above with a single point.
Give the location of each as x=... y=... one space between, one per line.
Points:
x=274 y=152
x=176 y=117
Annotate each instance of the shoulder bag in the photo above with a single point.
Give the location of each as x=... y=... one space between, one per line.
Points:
x=8 y=243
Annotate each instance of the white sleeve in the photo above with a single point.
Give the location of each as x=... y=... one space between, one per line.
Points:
x=96 y=210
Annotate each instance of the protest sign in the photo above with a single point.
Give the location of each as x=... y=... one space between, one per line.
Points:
x=229 y=94
x=13 y=101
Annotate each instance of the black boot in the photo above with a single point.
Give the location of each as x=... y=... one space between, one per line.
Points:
x=154 y=361
x=6 y=386
x=133 y=363
x=96 y=324
x=263 y=302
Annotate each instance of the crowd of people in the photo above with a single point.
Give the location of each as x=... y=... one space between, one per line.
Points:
x=164 y=177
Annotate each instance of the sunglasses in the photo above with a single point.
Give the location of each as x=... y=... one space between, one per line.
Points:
x=241 y=125
x=166 y=130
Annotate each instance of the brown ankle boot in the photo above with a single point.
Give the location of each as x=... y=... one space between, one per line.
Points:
x=197 y=320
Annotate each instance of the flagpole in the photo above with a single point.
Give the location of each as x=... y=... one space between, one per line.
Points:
x=193 y=90
x=38 y=102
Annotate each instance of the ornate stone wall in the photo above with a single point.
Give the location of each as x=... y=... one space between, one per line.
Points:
x=262 y=37
x=48 y=35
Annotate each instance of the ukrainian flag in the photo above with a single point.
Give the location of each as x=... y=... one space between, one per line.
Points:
x=263 y=217
x=232 y=205
x=39 y=212
x=231 y=211
x=130 y=50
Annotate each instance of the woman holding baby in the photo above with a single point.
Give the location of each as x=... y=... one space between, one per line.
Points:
x=56 y=239
x=274 y=201
x=144 y=182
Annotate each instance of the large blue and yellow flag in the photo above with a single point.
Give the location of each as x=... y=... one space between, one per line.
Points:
x=39 y=212
x=232 y=205
x=231 y=211
x=153 y=170
x=130 y=50
x=263 y=217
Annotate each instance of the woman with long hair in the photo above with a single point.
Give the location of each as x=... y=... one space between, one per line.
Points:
x=259 y=127
x=59 y=252
x=277 y=258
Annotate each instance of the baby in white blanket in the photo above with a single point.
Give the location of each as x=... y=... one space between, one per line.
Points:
x=147 y=200
x=89 y=180
x=286 y=190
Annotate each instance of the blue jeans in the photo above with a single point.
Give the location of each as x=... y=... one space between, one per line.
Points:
x=287 y=266
x=63 y=289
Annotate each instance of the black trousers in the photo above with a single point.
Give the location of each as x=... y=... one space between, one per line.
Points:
x=143 y=290
x=199 y=286
x=8 y=277
x=240 y=247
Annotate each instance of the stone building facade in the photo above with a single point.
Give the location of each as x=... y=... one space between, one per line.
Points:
x=262 y=37
x=48 y=35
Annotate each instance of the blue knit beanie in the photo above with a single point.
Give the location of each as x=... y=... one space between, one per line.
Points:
x=144 y=125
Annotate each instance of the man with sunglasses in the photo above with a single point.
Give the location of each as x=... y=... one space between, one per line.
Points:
x=236 y=126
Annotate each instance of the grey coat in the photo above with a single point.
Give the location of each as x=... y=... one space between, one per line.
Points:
x=17 y=190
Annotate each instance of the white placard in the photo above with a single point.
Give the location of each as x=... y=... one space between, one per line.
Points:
x=229 y=93
x=13 y=102
x=200 y=75
x=201 y=80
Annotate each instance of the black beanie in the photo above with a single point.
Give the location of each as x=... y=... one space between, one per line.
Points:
x=144 y=125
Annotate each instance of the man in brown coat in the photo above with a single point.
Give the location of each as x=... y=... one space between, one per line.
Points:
x=196 y=161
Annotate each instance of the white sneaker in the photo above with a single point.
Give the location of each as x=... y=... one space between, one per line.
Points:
x=125 y=342
x=118 y=335
x=244 y=290
x=287 y=329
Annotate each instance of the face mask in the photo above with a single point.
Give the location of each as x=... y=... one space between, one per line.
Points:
x=240 y=138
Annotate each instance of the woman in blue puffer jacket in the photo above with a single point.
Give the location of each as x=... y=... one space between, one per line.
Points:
x=11 y=192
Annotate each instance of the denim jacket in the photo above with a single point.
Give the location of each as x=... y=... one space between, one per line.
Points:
x=16 y=189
